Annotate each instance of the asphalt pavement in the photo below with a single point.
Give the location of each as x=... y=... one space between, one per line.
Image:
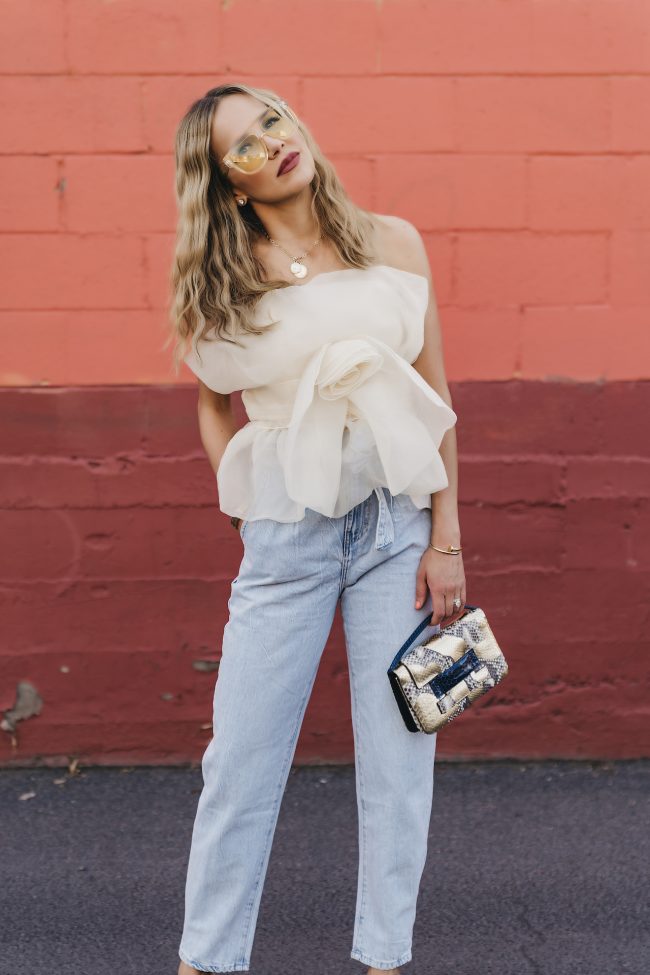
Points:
x=537 y=868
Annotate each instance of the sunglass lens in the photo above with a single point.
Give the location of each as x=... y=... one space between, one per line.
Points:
x=249 y=154
x=278 y=124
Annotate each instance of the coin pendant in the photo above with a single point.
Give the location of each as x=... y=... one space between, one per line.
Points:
x=298 y=269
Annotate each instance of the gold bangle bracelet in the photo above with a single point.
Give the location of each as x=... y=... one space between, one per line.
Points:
x=450 y=550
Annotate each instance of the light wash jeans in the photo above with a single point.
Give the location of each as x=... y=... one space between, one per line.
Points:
x=281 y=609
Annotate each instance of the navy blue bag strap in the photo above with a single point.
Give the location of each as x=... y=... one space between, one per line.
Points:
x=416 y=632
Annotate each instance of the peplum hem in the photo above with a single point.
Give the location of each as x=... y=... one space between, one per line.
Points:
x=252 y=485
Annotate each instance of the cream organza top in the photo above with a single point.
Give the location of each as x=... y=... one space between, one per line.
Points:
x=335 y=408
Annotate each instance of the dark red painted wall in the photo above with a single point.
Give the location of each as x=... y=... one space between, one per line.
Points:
x=116 y=567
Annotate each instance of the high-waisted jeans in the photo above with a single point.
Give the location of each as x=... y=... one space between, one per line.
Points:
x=281 y=609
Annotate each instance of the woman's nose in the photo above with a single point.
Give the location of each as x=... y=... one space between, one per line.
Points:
x=273 y=144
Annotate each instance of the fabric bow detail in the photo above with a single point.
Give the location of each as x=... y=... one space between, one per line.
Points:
x=407 y=417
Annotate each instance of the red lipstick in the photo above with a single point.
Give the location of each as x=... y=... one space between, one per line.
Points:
x=289 y=162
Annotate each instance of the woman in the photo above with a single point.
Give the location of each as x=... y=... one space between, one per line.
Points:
x=342 y=485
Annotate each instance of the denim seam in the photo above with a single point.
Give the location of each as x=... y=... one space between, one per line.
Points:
x=362 y=834
x=345 y=562
x=269 y=836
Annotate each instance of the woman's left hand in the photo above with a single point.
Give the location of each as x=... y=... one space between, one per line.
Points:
x=444 y=576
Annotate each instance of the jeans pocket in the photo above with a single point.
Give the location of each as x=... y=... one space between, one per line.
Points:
x=242 y=526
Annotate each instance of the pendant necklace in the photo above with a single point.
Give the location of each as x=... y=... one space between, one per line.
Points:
x=297 y=268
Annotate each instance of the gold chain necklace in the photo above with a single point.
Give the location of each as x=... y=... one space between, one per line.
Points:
x=297 y=267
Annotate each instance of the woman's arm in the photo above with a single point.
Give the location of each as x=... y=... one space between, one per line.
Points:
x=217 y=424
x=443 y=574
x=445 y=524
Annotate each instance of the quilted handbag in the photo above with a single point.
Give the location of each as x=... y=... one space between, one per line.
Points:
x=437 y=680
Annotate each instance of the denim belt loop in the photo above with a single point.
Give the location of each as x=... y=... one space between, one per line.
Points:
x=385 y=533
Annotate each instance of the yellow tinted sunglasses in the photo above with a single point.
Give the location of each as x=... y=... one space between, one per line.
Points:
x=250 y=153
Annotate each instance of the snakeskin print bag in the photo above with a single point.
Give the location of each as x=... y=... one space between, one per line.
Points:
x=438 y=679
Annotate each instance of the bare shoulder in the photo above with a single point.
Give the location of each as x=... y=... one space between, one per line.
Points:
x=401 y=244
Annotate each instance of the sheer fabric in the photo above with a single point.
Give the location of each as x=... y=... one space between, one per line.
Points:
x=335 y=408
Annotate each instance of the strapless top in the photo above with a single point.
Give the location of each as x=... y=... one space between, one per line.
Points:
x=335 y=408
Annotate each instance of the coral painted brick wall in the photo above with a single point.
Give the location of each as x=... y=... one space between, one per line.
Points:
x=515 y=135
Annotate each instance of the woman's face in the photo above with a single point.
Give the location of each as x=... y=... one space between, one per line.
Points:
x=235 y=117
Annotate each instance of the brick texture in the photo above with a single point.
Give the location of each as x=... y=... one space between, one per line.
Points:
x=515 y=136
x=116 y=570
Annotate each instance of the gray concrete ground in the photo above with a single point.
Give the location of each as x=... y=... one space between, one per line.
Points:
x=532 y=868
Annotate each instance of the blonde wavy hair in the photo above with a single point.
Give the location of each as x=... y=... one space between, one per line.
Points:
x=216 y=280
